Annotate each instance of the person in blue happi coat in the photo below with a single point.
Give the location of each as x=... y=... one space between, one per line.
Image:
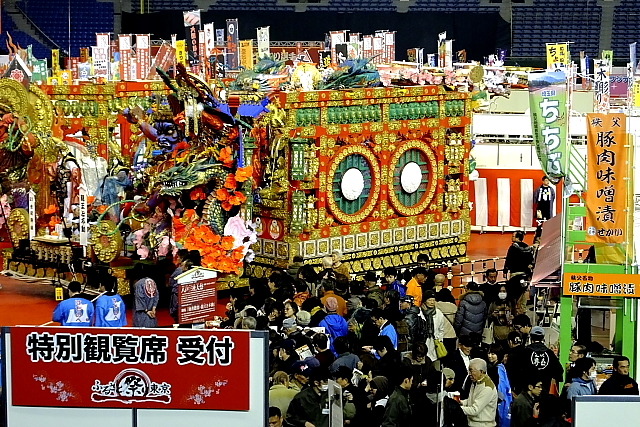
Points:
x=110 y=308
x=74 y=311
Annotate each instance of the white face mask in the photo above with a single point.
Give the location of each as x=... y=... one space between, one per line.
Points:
x=593 y=375
x=502 y=295
x=324 y=387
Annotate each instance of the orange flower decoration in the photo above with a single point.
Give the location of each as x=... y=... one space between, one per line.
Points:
x=231 y=182
x=226 y=206
x=237 y=198
x=102 y=209
x=226 y=156
x=242 y=174
x=197 y=194
x=227 y=243
x=222 y=194
x=51 y=209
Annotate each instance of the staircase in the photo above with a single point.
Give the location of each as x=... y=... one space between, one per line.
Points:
x=27 y=26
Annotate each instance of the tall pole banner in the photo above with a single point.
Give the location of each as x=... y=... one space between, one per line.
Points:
x=209 y=39
x=263 y=42
x=32 y=214
x=390 y=46
x=246 y=53
x=232 y=44
x=602 y=85
x=607 y=165
x=191 y=21
x=558 y=55
x=549 y=120
x=335 y=38
x=124 y=46
x=143 y=53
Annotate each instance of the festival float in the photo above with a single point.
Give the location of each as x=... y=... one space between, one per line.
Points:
x=250 y=168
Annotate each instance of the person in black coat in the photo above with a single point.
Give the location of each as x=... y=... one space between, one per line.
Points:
x=472 y=311
x=542 y=360
x=516 y=360
x=620 y=383
x=458 y=361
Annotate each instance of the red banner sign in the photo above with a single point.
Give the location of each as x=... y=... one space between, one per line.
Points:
x=130 y=368
x=197 y=301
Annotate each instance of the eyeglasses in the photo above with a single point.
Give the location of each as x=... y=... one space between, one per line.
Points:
x=538 y=386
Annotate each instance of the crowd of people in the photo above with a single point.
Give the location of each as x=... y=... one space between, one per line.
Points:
x=402 y=348
x=406 y=352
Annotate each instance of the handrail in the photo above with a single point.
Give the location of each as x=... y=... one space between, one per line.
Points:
x=39 y=31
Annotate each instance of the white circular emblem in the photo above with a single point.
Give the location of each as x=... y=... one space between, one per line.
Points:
x=352 y=184
x=411 y=177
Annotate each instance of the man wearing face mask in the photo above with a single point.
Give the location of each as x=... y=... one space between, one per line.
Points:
x=310 y=407
x=583 y=385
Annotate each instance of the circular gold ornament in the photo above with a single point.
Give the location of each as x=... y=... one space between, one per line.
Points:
x=476 y=74
x=106 y=243
x=18 y=223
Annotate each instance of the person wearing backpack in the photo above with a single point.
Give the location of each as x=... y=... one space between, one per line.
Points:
x=434 y=324
x=416 y=323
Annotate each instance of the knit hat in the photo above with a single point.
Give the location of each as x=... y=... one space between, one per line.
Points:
x=289 y=323
x=331 y=304
x=303 y=318
x=301 y=367
x=449 y=373
x=353 y=303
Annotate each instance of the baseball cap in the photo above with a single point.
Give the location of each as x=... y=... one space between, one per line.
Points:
x=407 y=298
x=301 y=367
x=331 y=304
x=537 y=330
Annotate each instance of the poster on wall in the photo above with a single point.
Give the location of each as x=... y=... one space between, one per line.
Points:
x=549 y=120
x=130 y=368
x=607 y=172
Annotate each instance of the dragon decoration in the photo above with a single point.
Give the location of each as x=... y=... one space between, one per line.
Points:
x=192 y=180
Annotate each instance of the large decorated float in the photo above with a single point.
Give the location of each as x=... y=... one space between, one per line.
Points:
x=259 y=165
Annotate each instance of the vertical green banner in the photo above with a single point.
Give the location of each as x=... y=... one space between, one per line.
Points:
x=39 y=73
x=550 y=120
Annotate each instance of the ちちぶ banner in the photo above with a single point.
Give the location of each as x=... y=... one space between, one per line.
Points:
x=130 y=368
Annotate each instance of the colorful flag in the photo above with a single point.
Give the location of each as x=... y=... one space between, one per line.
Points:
x=549 y=120
x=263 y=42
x=602 y=85
x=558 y=55
x=232 y=44
x=607 y=172
x=246 y=54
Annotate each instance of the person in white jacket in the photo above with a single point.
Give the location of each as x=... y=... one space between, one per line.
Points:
x=480 y=407
x=435 y=323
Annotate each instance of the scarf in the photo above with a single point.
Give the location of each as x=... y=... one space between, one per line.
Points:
x=429 y=313
x=150 y=287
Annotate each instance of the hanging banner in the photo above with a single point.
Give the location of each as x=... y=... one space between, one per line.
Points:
x=325 y=59
x=601 y=285
x=181 y=52
x=164 y=59
x=130 y=368
x=606 y=198
x=83 y=220
x=220 y=37
x=32 y=214
x=143 y=54
x=378 y=49
x=602 y=85
x=367 y=46
x=390 y=46
x=246 y=54
x=232 y=44
x=558 y=55
x=263 y=42
x=55 y=61
x=608 y=55
x=39 y=71
x=209 y=39
x=549 y=120
x=191 y=20
x=124 y=46
x=335 y=38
